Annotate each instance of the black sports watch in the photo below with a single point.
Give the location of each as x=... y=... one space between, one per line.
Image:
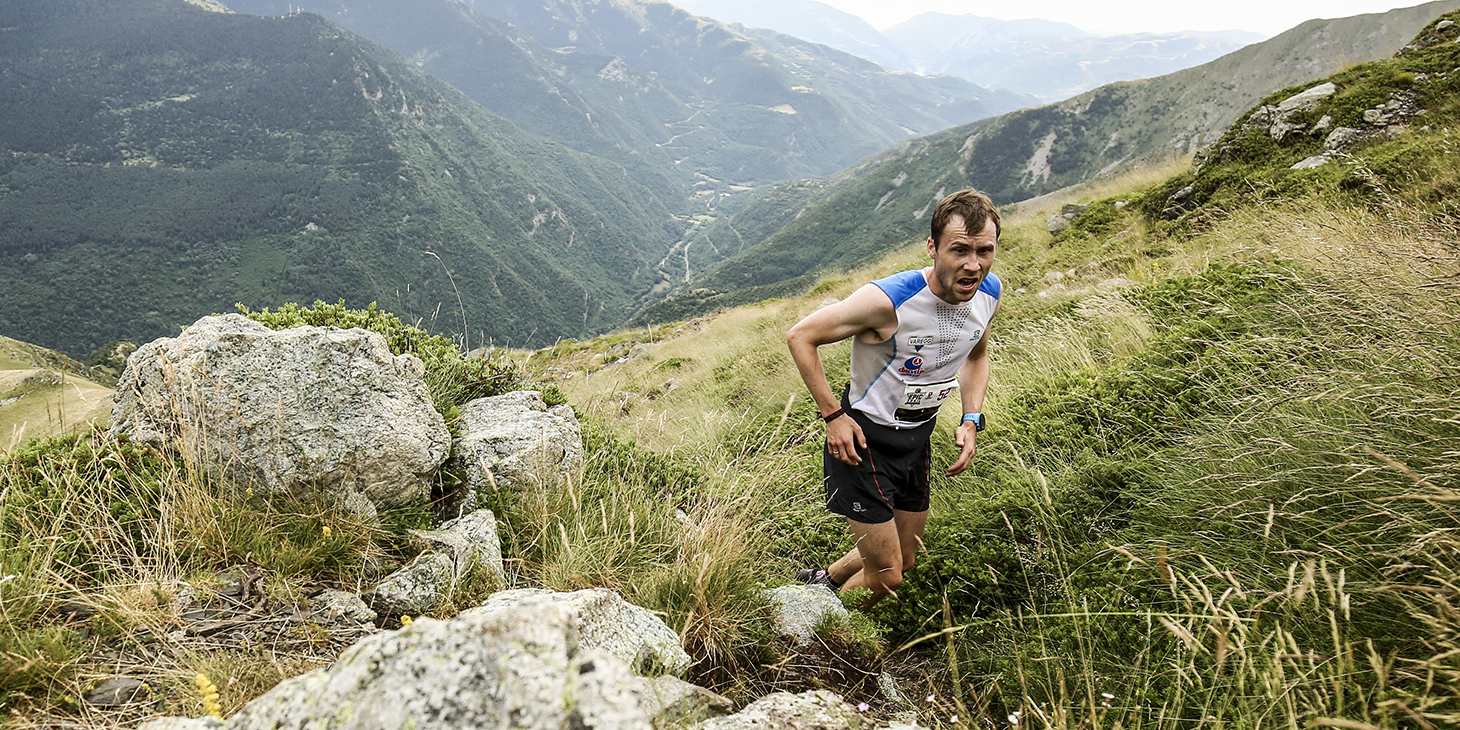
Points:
x=978 y=421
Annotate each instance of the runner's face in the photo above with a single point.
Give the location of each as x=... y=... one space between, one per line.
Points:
x=961 y=261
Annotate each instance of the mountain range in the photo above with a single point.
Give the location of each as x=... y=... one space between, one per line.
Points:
x=171 y=158
x=798 y=231
x=1046 y=59
x=543 y=171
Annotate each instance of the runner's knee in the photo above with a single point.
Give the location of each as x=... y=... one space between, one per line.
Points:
x=890 y=578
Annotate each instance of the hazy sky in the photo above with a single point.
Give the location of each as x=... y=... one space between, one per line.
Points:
x=1268 y=17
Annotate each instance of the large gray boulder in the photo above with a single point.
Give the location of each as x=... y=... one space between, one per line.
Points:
x=295 y=410
x=816 y=710
x=520 y=668
x=515 y=441
x=608 y=623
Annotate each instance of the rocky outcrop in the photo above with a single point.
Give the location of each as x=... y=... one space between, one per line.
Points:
x=461 y=547
x=1061 y=221
x=522 y=667
x=515 y=441
x=296 y=410
x=525 y=663
x=605 y=622
x=671 y=701
x=799 y=609
x=1278 y=120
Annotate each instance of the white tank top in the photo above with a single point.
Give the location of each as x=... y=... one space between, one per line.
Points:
x=901 y=381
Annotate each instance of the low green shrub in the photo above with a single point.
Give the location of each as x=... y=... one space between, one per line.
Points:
x=453 y=378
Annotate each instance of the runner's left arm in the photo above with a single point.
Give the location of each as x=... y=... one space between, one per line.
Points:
x=973 y=382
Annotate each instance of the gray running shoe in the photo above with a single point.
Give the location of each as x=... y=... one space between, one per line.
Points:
x=816 y=577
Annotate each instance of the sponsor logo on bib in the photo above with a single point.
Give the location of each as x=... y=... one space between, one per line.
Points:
x=918 y=343
x=913 y=366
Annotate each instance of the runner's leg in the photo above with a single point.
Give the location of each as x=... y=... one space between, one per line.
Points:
x=909 y=526
x=909 y=534
x=879 y=558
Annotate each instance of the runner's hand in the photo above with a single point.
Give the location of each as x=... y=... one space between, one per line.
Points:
x=965 y=438
x=843 y=435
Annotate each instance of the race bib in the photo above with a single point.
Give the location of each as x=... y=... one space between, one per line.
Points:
x=926 y=397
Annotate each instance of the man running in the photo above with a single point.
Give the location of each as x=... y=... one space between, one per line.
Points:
x=917 y=337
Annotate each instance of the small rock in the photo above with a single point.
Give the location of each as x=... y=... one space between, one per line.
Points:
x=887 y=685
x=183 y=723
x=815 y=710
x=1342 y=137
x=1312 y=162
x=1054 y=276
x=674 y=702
x=342 y=605
x=416 y=588
x=1444 y=24
x=186 y=600
x=1373 y=116
x=115 y=691
x=800 y=608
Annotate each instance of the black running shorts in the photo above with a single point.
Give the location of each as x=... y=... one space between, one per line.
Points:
x=893 y=473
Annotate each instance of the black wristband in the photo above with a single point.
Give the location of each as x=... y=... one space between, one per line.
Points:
x=838 y=413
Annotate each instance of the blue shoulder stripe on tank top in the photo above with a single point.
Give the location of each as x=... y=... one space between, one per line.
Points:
x=991 y=285
x=899 y=288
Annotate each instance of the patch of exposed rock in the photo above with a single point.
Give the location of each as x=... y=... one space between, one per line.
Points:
x=295 y=410
x=515 y=441
x=1061 y=221
x=605 y=622
x=459 y=548
x=815 y=710
x=799 y=609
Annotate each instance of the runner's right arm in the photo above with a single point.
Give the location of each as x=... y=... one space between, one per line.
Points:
x=868 y=312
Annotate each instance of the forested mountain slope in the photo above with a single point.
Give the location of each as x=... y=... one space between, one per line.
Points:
x=686 y=104
x=885 y=200
x=161 y=162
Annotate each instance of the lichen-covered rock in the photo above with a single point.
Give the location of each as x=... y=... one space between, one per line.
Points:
x=520 y=668
x=515 y=441
x=296 y=410
x=606 y=622
x=673 y=702
x=342 y=606
x=1062 y=220
x=183 y=723
x=473 y=543
x=816 y=710
x=799 y=609
x=462 y=546
x=416 y=588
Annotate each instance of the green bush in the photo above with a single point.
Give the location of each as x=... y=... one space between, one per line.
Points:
x=452 y=378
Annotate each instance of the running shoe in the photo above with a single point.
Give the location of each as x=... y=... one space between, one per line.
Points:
x=816 y=577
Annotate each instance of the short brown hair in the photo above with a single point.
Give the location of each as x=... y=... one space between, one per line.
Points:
x=975 y=207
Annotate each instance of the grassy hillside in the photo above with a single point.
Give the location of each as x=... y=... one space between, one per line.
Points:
x=44 y=393
x=168 y=162
x=885 y=200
